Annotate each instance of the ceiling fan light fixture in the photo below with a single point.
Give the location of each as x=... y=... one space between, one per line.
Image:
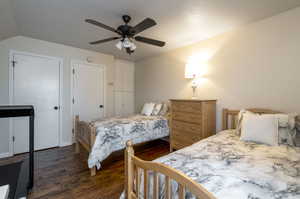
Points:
x=133 y=46
x=127 y=43
x=119 y=45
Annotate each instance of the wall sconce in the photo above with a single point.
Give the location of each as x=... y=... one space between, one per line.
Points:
x=192 y=71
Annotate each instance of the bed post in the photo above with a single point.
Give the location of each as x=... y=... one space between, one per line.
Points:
x=93 y=138
x=129 y=153
x=77 y=147
x=225 y=119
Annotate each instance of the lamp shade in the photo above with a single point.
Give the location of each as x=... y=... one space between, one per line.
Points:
x=191 y=70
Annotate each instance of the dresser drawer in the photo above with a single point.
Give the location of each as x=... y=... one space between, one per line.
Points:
x=191 y=121
x=185 y=137
x=191 y=107
x=186 y=127
x=186 y=117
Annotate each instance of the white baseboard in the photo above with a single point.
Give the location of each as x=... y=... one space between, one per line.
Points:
x=5 y=155
x=65 y=144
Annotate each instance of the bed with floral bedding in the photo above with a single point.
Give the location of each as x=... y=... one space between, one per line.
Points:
x=229 y=168
x=233 y=169
x=105 y=136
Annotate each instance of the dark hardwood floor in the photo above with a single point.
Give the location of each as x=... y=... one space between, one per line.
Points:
x=62 y=174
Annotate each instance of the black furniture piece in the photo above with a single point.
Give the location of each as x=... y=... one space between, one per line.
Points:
x=22 y=173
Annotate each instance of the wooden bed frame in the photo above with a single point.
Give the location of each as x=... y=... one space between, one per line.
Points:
x=229 y=117
x=134 y=165
x=85 y=135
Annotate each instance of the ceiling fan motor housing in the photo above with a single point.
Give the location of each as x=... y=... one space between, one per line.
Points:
x=126 y=31
x=126 y=18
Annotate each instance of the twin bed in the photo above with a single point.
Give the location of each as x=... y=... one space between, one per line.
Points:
x=221 y=166
x=103 y=137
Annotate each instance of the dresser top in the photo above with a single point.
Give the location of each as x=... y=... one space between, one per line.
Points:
x=193 y=100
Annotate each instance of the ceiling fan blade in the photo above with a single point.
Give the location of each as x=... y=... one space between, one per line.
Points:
x=96 y=23
x=104 y=40
x=145 y=24
x=150 y=41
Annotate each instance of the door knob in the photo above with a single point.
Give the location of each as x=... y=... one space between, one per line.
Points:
x=55 y=107
x=101 y=106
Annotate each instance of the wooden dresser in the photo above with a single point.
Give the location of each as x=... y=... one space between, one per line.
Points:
x=191 y=121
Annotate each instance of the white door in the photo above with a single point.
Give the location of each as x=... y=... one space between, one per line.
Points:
x=124 y=103
x=36 y=82
x=88 y=91
x=128 y=101
x=119 y=103
x=124 y=76
x=128 y=77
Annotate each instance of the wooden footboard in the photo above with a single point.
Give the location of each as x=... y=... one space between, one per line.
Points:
x=85 y=135
x=133 y=167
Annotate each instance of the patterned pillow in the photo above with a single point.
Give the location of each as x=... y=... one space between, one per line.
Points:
x=287 y=129
x=297 y=123
x=285 y=136
x=164 y=109
x=297 y=140
x=157 y=109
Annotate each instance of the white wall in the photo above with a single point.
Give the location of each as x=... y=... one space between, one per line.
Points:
x=255 y=66
x=25 y=44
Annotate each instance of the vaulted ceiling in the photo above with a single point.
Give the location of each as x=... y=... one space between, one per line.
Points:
x=180 y=22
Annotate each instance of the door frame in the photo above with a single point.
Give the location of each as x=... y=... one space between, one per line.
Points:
x=11 y=91
x=74 y=62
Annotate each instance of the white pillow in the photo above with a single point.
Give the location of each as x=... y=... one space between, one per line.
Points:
x=260 y=128
x=144 y=108
x=240 y=119
x=157 y=109
x=148 y=109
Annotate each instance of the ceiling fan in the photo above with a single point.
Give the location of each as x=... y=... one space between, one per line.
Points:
x=128 y=33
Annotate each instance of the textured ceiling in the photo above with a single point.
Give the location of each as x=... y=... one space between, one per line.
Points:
x=180 y=22
x=8 y=27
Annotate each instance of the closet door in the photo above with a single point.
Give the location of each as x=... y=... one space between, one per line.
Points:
x=36 y=82
x=124 y=88
x=128 y=103
x=128 y=77
x=124 y=76
x=118 y=76
x=124 y=103
x=118 y=103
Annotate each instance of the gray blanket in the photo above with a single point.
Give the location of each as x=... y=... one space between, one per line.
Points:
x=112 y=134
x=233 y=169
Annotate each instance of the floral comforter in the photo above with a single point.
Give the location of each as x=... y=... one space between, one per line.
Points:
x=112 y=134
x=234 y=169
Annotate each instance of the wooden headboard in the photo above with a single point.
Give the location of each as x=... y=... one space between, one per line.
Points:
x=230 y=116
